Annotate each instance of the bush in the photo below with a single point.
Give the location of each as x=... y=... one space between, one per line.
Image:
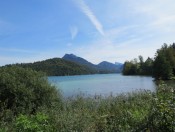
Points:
x=33 y=123
x=24 y=91
x=162 y=113
x=164 y=109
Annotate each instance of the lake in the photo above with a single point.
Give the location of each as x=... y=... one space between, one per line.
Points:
x=101 y=84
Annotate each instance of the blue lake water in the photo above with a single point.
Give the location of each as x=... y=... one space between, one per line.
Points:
x=101 y=84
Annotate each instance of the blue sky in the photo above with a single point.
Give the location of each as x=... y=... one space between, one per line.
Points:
x=97 y=30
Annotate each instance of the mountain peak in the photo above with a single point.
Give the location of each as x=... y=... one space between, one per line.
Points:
x=76 y=59
x=69 y=55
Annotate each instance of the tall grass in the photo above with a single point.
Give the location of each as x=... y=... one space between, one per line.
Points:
x=132 y=112
x=122 y=113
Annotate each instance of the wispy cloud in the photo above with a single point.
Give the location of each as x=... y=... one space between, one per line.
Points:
x=88 y=12
x=73 y=31
x=136 y=28
x=115 y=52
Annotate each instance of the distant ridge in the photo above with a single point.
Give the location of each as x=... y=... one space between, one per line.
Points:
x=110 y=67
x=103 y=67
x=71 y=64
x=118 y=64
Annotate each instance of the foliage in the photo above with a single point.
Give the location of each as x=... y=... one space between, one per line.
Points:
x=164 y=110
x=161 y=68
x=34 y=123
x=57 y=67
x=134 y=67
x=162 y=113
x=64 y=66
x=121 y=113
x=24 y=91
x=164 y=64
x=138 y=111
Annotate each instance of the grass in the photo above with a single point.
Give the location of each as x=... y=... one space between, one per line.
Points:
x=138 y=111
x=121 y=113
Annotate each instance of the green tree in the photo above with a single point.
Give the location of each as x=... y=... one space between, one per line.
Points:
x=164 y=64
x=130 y=68
x=148 y=67
x=162 y=68
x=141 y=60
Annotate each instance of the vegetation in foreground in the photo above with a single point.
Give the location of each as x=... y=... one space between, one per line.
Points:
x=29 y=103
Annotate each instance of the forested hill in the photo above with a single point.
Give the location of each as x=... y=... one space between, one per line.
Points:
x=70 y=65
x=57 y=67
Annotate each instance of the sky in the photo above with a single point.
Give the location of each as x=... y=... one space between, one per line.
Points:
x=97 y=30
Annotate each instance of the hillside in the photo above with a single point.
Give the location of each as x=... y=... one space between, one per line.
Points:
x=78 y=60
x=81 y=61
x=71 y=65
x=57 y=67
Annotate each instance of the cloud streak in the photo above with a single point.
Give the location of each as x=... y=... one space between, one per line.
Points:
x=74 y=32
x=88 y=12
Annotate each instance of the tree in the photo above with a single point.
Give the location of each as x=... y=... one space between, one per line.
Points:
x=141 y=59
x=130 y=68
x=148 y=67
x=164 y=64
x=162 y=68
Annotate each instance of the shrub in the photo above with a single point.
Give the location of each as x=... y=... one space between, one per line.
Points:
x=164 y=109
x=33 y=123
x=24 y=91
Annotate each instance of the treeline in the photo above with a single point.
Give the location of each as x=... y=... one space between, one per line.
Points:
x=141 y=67
x=56 y=67
x=161 y=67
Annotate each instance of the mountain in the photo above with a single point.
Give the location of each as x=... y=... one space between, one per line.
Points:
x=103 y=67
x=57 y=67
x=109 y=67
x=78 y=60
x=71 y=64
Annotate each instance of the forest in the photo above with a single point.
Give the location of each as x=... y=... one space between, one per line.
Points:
x=161 y=67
